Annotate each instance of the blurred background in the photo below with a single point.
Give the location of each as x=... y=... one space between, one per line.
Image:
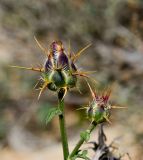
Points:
x=115 y=29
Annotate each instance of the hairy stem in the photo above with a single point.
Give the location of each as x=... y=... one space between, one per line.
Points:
x=63 y=130
x=82 y=140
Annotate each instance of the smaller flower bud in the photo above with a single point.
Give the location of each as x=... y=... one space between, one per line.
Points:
x=99 y=108
x=98 y=112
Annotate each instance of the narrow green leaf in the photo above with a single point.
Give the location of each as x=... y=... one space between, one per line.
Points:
x=52 y=112
x=84 y=152
x=83 y=155
x=85 y=135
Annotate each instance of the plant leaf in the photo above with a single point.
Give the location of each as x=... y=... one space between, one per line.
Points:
x=83 y=155
x=52 y=112
x=85 y=135
x=84 y=152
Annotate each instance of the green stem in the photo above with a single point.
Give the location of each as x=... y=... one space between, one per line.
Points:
x=82 y=140
x=63 y=130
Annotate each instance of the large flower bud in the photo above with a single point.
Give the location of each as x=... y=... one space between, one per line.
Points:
x=59 y=72
x=59 y=68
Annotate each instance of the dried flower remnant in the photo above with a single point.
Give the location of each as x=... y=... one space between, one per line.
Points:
x=102 y=151
x=59 y=73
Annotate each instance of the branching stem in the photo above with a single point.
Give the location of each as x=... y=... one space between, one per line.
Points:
x=82 y=140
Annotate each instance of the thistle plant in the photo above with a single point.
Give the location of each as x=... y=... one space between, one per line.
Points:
x=60 y=74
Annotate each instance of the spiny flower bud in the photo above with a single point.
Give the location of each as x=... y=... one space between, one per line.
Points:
x=59 y=72
x=99 y=109
x=58 y=67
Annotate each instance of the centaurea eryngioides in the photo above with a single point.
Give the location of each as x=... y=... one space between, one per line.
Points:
x=59 y=74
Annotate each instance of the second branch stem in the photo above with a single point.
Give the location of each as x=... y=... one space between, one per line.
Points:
x=82 y=140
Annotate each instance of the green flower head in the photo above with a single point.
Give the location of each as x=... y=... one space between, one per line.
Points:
x=59 y=73
x=99 y=109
